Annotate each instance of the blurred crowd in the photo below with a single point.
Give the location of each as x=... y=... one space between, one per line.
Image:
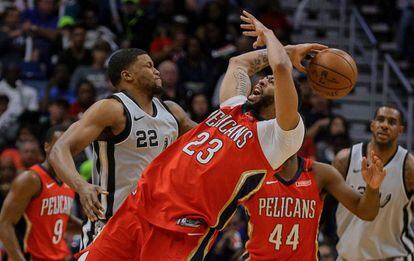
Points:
x=53 y=56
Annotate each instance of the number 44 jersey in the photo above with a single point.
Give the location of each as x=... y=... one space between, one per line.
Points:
x=284 y=217
x=195 y=185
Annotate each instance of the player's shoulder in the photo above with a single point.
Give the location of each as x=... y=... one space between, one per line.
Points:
x=409 y=164
x=323 y=168
x=108 y=108
x=27 y=182
x=343 y=154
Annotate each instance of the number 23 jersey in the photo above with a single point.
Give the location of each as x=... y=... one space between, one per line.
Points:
x=284 y=217
x=202 y=177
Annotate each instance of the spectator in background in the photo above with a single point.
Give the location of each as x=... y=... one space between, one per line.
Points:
x=12 y=41
x=334 y=137
x=95 y=73
x=8 y=123
x=41 y=24
x=136 y=23
x=194 y=70
x=405 y=33
x=319 y=109
x=58 y=114
x=76 y=54
x=57 y=87
x=273 y=18
x=85 y=97
x=96 y=32
x=8 y=173
x=30 y=153
x=165 y=46
x=21 y=97
x=169 y=76
x=199 y=107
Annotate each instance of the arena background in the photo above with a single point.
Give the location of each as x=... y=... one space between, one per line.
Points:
x=55 y=52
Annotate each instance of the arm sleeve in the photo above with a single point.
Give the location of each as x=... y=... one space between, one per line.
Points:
x=234 y=101
x=277 y=144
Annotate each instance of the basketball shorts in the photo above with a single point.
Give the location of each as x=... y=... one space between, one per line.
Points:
x=127 y=236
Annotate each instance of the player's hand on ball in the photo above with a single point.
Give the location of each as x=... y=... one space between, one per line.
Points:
x=298 y=52
x=254 y=28
x=88 y=195
x=375 y=173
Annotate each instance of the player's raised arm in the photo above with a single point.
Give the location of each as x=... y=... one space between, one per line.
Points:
x=286 y=98
x=103 y=114
x=366 y=206
x=26 y=186
x=237 y=78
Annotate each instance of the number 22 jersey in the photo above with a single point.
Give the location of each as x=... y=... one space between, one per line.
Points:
x=202 y=177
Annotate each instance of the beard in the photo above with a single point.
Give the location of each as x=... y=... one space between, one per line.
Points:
x=261 y=104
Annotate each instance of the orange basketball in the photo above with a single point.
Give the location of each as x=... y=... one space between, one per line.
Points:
x=332 y=73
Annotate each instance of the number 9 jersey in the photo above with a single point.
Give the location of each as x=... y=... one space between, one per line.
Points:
x=46 y=219
x=284 y=217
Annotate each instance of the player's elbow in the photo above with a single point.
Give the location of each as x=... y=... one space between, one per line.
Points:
x=238 y=61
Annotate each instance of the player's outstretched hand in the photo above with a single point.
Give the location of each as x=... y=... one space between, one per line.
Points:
x=375 y=173
x=88 y=195
x=299 y=51
x=254 y=28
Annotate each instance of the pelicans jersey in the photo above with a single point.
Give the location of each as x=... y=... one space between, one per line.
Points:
x=119 y=162
x=284 y=217
x=195 y=185
x=390 y=234
x=46 y=219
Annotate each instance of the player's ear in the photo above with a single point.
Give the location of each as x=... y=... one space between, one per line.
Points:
x=127 y=76
x=47 y=147
x=371 y=126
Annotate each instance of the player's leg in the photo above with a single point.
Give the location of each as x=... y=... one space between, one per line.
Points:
x=118 y=239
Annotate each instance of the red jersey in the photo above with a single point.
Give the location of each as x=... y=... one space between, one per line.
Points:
x=284 y=217
x=195 y=185
x=47 y=217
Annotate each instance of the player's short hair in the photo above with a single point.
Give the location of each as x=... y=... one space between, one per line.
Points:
x=51 y=132
x=391 y=106
x=120 y=60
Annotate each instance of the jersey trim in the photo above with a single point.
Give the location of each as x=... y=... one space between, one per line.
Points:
x=405 y=233
x=27 y=232
x=247 y=185
x=365 y=148
x=296 y=177
x=59 y=182
x=154 y=107
x=128 y=126
x=349 y=161
x=407 y=193
x=168 y=109
x=111 y=178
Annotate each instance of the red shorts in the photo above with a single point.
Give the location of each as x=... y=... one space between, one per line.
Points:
x=127 y=236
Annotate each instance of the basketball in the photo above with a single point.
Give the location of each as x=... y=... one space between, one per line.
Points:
x=332 y=73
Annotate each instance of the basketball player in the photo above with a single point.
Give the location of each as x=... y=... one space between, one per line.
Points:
x=390 y=235
x=45 y=202
x=127 y=130
x=190 y=191
x=285 y=212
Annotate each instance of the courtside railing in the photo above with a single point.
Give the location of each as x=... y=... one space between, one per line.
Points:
x=369 y=52
x=389 y=95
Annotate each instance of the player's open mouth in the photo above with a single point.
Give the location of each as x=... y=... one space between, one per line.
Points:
x=257 y=91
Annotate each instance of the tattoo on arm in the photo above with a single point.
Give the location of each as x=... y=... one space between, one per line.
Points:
x=258 y=63
x=242 y=80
